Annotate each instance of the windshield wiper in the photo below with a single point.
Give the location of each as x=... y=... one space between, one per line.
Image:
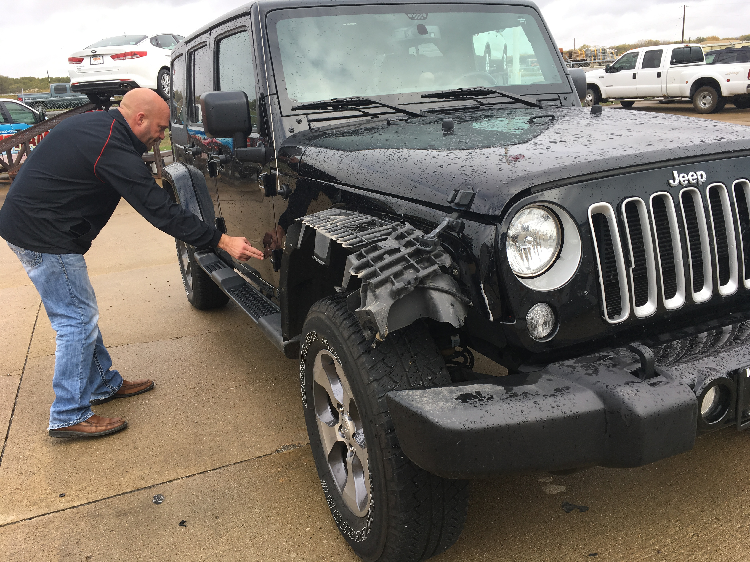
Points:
x=478 y=92
x=355 y=102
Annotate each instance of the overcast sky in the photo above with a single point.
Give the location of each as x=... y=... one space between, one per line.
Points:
x=38 y=35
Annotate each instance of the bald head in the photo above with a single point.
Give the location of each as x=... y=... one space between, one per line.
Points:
x=146 y=113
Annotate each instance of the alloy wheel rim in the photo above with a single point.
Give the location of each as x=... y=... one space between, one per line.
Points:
x=341 y=433
x=165 y=83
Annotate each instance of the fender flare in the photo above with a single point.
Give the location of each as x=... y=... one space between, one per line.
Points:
x=190 y=190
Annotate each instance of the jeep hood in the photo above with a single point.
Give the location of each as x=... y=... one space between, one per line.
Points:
x=498 y=153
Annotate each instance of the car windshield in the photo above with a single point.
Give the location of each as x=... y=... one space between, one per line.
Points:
x=385 y=50
x=119 y=41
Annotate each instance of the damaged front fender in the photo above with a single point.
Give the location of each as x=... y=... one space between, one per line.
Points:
x=404 y=273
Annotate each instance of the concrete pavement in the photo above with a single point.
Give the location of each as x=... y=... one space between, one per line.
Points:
x=222 y=438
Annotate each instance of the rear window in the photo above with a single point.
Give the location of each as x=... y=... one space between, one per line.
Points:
x=167 y=41
x=119 y=41
x=60 y=89
x=687 y=55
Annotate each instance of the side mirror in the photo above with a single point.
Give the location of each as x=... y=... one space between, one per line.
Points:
x=227 y=115
x=579 y=81
x=41 y=116
x=608 y=68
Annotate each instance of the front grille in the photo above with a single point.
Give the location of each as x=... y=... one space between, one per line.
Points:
x=611 y=262
x=657 y=234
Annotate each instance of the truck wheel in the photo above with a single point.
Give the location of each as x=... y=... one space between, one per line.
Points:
x=592 y=97
x=163 y=83
x=387 y=508
x=741 y=102
x=200 y=289
x=705 y=99
x=627 y=104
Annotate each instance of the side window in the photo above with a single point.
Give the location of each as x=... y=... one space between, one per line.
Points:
x=236 y=72
x=178 y=91
x=625 y=62
x=60 y=89
x=2 y=113
x=200 y=81
x=652 y=59
x=19 y=114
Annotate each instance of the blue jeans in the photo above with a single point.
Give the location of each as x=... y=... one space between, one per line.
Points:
x=83 y=368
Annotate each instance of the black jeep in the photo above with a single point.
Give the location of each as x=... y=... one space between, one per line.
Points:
x=426 y=185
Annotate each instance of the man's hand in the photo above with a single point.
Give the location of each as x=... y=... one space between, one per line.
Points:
x=239 y=248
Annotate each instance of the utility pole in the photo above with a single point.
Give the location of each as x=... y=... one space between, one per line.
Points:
x=683 y=24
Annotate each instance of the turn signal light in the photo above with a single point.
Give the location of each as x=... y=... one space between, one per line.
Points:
x=75 y=60
x=129 y=55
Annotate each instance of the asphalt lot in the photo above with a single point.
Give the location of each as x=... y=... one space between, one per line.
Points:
x=223 y=440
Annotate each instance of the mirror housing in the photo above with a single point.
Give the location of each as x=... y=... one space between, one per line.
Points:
x=255 y=155
x=227 y=115
x=579 y=81
x=608 y=68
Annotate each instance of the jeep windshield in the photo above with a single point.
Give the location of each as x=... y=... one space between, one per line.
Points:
x=404 y=51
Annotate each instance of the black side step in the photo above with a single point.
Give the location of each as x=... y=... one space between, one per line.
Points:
x=263 y=311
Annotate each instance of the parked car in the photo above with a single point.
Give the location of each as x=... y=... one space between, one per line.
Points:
x=418 y=203
x=670 y=72
x=728 y=56
x=117 y=64
x=16 y=116
x=57 y=91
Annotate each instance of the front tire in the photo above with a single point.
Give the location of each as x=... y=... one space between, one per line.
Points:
x=387 y=508
x=592 y=97
x=705 y=99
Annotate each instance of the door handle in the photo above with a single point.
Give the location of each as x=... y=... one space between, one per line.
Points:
x=634 y=75
x=658 y=74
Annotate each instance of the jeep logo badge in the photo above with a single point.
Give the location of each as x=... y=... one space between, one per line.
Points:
x=693 y=178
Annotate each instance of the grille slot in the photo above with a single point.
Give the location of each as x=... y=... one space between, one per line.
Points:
x=741 y=190
x=696 y=235
x=668 y=250
x=725 y=244
x=610 y=262
x=642 y=266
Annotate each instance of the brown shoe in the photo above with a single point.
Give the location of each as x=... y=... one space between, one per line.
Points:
x=95 y=426
x=126 y=390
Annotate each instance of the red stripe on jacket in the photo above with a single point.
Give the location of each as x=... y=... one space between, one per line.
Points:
x=102 y=152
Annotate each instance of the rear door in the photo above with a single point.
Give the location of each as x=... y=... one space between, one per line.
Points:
x=650 y=74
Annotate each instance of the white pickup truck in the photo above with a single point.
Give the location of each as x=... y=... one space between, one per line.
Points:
x=670 y=72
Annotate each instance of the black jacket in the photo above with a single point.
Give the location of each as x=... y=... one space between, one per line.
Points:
x=70 y=185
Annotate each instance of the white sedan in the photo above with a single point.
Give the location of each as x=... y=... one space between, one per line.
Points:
x=118 y=64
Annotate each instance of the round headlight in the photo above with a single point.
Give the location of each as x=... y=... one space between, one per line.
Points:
x=534 y=239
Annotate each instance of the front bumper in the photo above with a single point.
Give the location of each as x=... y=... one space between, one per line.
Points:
x=584 y=412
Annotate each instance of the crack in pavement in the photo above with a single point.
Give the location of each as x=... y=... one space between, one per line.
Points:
x=280 y=450
x=18 y=389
